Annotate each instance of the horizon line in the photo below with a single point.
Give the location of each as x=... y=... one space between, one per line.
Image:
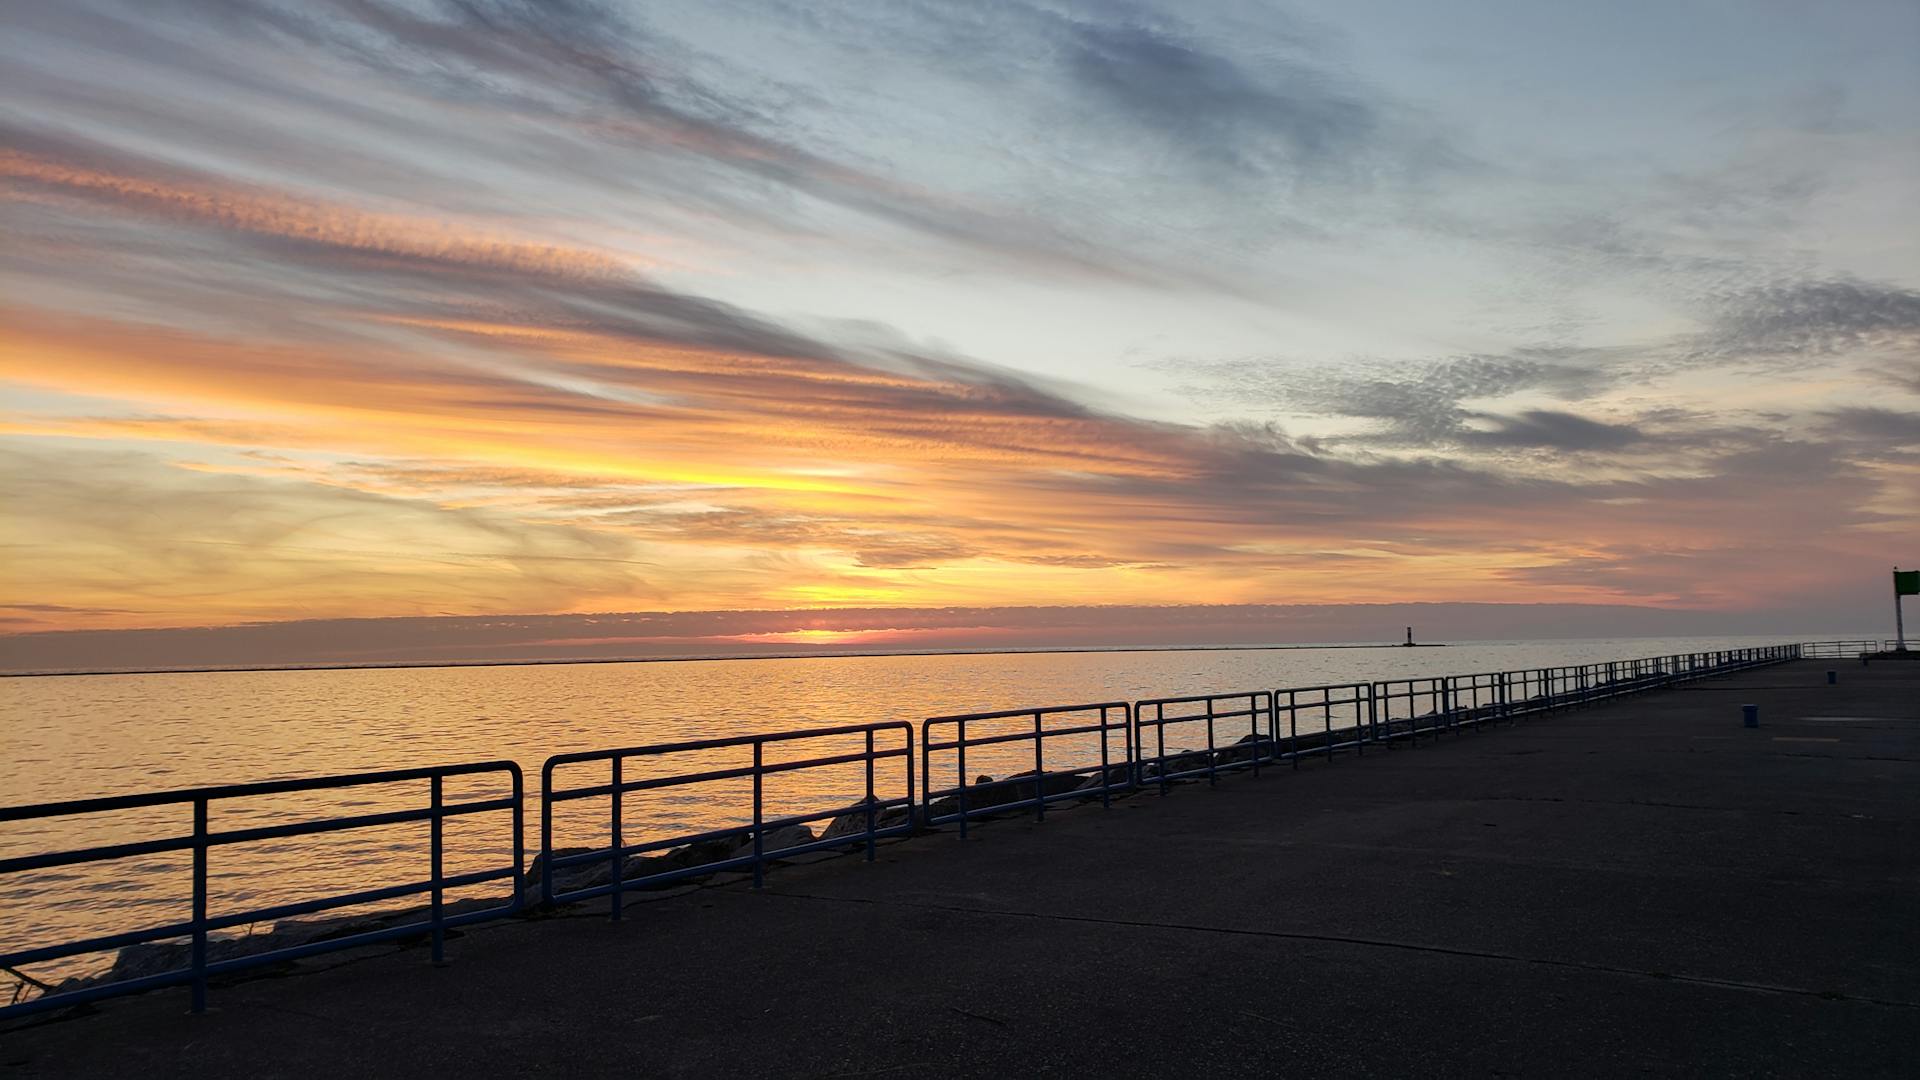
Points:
x=387 y=665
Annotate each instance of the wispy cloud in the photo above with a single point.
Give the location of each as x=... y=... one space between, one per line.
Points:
x=366 y=307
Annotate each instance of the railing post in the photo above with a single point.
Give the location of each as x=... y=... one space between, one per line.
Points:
x=1213 y=750
x=759 y=833
x=869 y=794
x=1160 y=740
x=618 y=837
x=1106 y=758
x=546 y=832
x=519 y=838
x=1293 y=729
x=1039 y=772
x=200 y=905
x=912 y=804
x=436 y=833
x=960 y=749
x=1359 y=726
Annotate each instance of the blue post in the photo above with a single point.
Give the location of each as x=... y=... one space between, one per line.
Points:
x=436 y=857
x=759 y=831
x=869 y=794
x=1750 y=715
x=199 y=955
x=1833 y=677
x=960 y=745
x=1039 y=771
x=616 y=841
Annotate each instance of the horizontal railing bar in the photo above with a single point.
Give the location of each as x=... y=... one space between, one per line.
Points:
x=1158 y=720
x=1049 y=710
x=653 y=783
x=721 y=743
x=240 y=791
x=356 y=821
x=1020 y=736
x=1236 y=695
x=67 y=999
x=365 y=896
x=354 y=941
x=95 y=944
x=102 y=853
x=222 y=922
x=602 y=854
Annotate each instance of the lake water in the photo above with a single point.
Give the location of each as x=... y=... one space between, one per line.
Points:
x=97 y=735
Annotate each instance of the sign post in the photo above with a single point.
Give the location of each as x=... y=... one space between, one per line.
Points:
x=1905 y=583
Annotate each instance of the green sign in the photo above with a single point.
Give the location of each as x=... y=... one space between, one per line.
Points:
x=1906 y=583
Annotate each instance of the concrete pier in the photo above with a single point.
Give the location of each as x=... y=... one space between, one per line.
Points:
x=1641 y=887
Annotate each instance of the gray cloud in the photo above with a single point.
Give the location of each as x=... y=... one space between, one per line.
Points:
x=1286 y=117
x=1417 y=405
x=626 y=107
x=1549 y=429
x=1889 y=426
x=1809 y=320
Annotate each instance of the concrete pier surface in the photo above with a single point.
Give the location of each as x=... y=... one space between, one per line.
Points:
x=1639 y=887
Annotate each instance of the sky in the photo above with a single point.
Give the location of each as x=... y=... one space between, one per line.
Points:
x=856 y=322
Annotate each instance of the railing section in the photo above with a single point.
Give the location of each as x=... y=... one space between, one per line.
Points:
x=203 y=838
x=1064 y=752
x=1408 y=708
x=1239 y=729
x=750 y=844
x=1344 y=714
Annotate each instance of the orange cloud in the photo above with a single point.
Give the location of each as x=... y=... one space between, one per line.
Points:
x=230 y=206
x=484 y=425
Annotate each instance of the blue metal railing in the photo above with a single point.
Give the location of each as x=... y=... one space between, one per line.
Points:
x=204 y=838
x=1331 y=705
x=1258 y=746
x=1407 y=708
x=747 y=842
x=1349 y=715
x=1482 y=697
x=1846 y=650
x=1099 y=721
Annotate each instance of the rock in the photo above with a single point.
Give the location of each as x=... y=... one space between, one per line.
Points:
x=1053 y=783
x=1246 y=748
x=853 y=820
x=701 y=853
x=539 y=864
x=1187 y=761
x=987 y=793
x=774 y=840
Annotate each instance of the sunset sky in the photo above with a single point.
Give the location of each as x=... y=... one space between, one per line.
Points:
x=330 y=311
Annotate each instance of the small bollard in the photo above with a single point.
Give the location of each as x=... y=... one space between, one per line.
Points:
x=1833 y=677
x=1750 y=715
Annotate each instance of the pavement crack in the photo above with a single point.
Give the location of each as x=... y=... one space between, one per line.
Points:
x=1377 y=943
x=994 y=1020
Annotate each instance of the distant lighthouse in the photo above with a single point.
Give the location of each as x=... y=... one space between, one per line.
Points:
x=1409 y=637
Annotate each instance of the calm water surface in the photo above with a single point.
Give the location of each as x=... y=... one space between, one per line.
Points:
x=77 y=737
